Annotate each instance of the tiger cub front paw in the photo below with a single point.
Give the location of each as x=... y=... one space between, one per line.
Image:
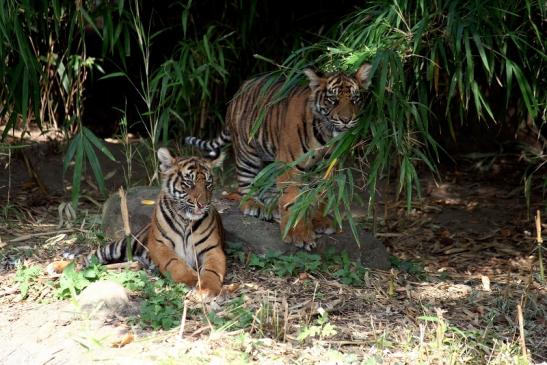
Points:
x=256 y=209
x=207 y=288
x=323 y=224
x=301 y=235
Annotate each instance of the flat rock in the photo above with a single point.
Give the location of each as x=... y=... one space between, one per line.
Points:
x=253 y=234
x=105 y=297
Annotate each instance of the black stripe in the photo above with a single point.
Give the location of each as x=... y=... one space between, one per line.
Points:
x=164 y=235
x=211 y=222
x=317 y=133
x=169 y=262
x=214 y=272
x=207 y=250
x=197 y=223
x=206 y=235
x=246 y=170
x=301 y=138
x=168 y=218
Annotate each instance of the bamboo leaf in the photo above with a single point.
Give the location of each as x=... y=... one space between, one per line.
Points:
x=77 y=173
x=95 y=165
x=98 y=143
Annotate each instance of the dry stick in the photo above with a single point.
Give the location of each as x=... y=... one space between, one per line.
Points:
x=539 y=240
x=32 y=235
x=33 y=174
x=123 y=265
x=521 y=331
x=182 y=321
x=126 y=226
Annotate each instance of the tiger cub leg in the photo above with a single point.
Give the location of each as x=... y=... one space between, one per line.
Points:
x=248 y=165
x=211 y=273
x=169 y=263
x=301 y=234
x=322 y=223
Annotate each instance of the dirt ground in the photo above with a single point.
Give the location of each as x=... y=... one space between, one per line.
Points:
x=464 y=262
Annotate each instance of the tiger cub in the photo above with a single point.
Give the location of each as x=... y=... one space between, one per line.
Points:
x=185 y=238
x=304 y=121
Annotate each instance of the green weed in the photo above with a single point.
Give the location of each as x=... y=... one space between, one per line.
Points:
x=411 y=267
x=162 y=304
x=322 y=329
x=26 y=277
x=235 y=315
x=338 y=265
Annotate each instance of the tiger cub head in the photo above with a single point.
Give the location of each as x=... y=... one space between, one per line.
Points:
x=337 y=98
x=187 y=182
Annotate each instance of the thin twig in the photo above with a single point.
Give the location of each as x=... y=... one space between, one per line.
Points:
x=521 y=331
x=126 y=226
x=182 y=322
x=32 y=235
x=539 y=240
x=131 y=265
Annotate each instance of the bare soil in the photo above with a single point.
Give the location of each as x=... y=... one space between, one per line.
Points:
x=464 y=255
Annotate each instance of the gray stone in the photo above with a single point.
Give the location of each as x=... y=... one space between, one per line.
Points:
x=250 y=233
x=105 y=297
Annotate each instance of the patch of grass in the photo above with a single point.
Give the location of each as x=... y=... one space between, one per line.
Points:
x=26 y=276
x=286 y=265
x=162 y=299
x=236 y=315
x=321 y=329
x=338 y=265
x=347 y=271
x=413 y=268
x=162 y=304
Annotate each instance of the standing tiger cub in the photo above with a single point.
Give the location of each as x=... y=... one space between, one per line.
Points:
x=185 y=238
x=304 y=121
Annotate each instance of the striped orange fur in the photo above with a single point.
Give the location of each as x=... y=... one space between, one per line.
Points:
x=185 y=238
x=304 y=121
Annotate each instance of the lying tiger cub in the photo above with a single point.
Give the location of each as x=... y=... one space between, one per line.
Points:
x=304 y=121
x=185 y=238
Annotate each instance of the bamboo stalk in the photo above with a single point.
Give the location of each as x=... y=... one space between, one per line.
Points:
x=126 y=226
x=539 y=240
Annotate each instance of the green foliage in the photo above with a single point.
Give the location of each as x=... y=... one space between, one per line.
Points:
x=72 y=282
x=45 y=66
x=26 y=277
x=322 y=329
x=162 y=304
x=83 y=145
x=235 y=315
x=337 y=265
x=349 y=273
x=44 y=60
x=286 y=265
x=431 y=62
x=413 y=268
x=162 y=299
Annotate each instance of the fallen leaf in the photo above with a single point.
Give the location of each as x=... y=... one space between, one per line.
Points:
x=127 y=339
x=230 y=288
x=57 y=267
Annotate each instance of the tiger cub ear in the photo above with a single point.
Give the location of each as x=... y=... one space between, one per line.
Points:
x=363 y=75
x=166 y=160
x=315 y=80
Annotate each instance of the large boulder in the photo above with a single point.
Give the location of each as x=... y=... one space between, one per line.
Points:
x=253 y=234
